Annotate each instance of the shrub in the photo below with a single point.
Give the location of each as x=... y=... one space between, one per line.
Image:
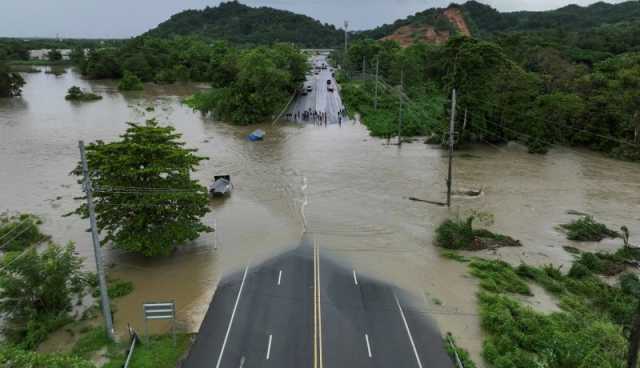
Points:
x=498 y=277
x=579 y=271
x=12 y=357
x=587 y=229
x=20 y=232
x=455 y=234
x=76 y=94
x=37 y=291
x=130 y=82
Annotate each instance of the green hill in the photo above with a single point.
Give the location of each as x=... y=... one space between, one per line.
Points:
x=238 y=23
x=436 y=25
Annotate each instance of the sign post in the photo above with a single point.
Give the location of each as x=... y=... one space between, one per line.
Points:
x=160 y=311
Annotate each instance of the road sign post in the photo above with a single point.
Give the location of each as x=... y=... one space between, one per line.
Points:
x=160 y=311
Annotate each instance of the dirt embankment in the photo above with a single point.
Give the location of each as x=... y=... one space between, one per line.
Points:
x=409 y=34
x=454 y=15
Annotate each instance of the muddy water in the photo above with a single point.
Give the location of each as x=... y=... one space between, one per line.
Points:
x=352 y=188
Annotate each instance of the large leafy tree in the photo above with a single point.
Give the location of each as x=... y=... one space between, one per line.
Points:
x=145 y=199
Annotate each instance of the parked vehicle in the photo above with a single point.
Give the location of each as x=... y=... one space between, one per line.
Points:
x=309 y=89
x=221 y=186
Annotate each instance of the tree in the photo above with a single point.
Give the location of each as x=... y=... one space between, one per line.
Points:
x=145 y=199
x=54 y=55
x=37 y=291
x=10 y=83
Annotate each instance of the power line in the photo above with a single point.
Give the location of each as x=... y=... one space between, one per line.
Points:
x=557 y=124
x=14 y=238
x=15 y=228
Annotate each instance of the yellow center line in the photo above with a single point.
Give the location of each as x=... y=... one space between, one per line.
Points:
x=315 y=311
x=319 y=311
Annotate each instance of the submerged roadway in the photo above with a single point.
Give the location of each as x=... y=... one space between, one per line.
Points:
x=301 y=309
x=320 y=99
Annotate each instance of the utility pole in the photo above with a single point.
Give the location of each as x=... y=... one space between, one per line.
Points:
x=400 y=118
x=346 y=48
x=364 y=68
x=97 y=250
x=451 y=133
x=375 y=101
x=346 y=27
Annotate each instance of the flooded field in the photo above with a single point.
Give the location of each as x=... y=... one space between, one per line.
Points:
x=350 y=190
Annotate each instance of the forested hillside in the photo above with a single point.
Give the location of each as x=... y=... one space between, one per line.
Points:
x=238 y=23
x=569 y=77
x=596 y=24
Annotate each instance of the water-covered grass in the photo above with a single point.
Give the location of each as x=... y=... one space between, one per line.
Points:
x=589 y=331
x=587 y=229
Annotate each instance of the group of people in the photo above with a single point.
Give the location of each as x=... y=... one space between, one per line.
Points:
x=317 y=117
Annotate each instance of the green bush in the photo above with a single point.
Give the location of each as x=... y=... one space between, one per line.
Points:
x=455 y=234
x=76 y=94
x=498 y=277
x=579 y=271
x=37 y=292
x=130 y=82
x=20 y=232
x=12 y=357
x=587 y=229
x=519 y=337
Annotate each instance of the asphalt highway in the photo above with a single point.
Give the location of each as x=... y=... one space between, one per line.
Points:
x=319 y=99
x=302 y=309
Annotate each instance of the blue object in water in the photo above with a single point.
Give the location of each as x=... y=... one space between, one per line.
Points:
x=257 y=135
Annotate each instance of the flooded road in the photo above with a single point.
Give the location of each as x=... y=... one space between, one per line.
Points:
x=353 y=190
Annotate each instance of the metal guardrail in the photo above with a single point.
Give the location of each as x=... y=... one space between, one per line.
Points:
x=134 y=339
x=455 y=351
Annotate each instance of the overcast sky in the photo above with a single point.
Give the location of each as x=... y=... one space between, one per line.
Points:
x=126 y=18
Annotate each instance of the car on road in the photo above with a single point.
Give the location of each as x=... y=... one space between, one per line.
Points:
x=330 y=88
x=309 y=89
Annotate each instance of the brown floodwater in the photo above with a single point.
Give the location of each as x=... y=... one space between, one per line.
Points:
x=347 y=188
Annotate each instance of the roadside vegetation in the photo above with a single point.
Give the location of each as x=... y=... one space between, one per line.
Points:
x=596 y=317
x=43 y=288
x=76 y=94
x=509 y=88
x=459 y=234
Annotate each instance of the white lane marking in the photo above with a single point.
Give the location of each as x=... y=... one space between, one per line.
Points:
x=355 y=279
x=233 y=314
x=279 y=277
x=269 y=348
x=242 y=362
x=366 y=338
x=406 y=326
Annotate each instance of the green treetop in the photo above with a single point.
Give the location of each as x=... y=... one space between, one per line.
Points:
x=145 y=199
